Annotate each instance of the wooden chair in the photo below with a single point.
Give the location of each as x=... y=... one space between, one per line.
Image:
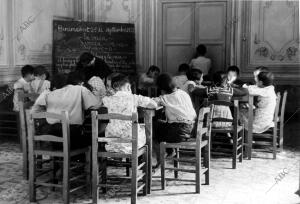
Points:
x=269 y=139
x=65 y=153
x=104 y=156
x=26 y=100
x=281 y=120
x=236 y=131
x=201 y=142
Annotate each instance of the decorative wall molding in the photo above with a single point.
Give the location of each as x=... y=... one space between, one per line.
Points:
x=258 y=35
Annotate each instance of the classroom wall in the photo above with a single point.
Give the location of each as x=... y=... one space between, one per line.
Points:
x=26 y=28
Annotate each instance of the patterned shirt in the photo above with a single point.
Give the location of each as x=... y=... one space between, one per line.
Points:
x=222 y=93
x=98 y=86
x=126 y=103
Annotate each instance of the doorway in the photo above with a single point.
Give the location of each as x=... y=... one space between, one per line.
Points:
x=182 y=25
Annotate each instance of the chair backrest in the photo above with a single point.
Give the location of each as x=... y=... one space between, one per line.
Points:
x=204 y=122
x=283 y=102
x=64 y=120
x=114 y=116
x=25 y=101
x=234 y=105
x=276 y=112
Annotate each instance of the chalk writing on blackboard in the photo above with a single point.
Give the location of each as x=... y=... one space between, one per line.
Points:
x=112 y=42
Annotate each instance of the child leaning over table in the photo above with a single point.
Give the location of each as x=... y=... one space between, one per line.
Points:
x=124 y=102
x=266 y=102
x=39 y=84
x=23 y=84
x=179 y=112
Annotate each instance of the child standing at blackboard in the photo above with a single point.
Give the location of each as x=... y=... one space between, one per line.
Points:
x=23 y=84
x=148 y=79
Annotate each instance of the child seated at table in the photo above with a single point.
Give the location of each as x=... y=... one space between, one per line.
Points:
x=201 y=62
x=23 y=84
x=195 y=80
x=222 y=91
x=181 y=78
x=147 y=80
x=124 y=102
x=233 y=73
x=179 y=112
x=39 y=84
x=64 y=96
x=266 y=102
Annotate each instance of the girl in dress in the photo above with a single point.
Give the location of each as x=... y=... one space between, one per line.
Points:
x=124 y=102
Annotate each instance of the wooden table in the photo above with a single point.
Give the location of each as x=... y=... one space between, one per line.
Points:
x=148 y=116
x=249 y=136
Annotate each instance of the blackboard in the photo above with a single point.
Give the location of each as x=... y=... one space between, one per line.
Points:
x=112 y=42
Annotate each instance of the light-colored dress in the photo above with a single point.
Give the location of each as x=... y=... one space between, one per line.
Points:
x=126 y=103
x=265 y=108
x=222 y=93
x=201 y=63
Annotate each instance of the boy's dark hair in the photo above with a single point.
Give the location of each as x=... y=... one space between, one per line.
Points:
x=153 y=68
x=184 y=68
x=195 y=74
x=119 y=80
x=27 y=69
x=266 y=78
x=58 y=81
x=219 y=78
x=201 y=50
x=165 y=83
x=262 y=68
x=86 y=58
x=75 y=78
x=40 y=70
x=233 y=69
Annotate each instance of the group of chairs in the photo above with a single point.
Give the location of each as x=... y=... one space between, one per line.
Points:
x=91 y=172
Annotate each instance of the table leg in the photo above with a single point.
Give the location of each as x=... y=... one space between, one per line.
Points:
x=148 y=127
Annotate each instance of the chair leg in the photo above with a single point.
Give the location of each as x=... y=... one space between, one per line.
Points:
x=198 y=169
x=176 y=163
x=104 y=175
x=127 y=168
x=32 y=189
x=88 y=170
x=242 y=146
x=274 y=142
x=54 y=167
x=207 y=162
x=145 y=171
x=66 y=178
x=95 y=178
x=162 y=161
x=234 y=150
x=134 y=182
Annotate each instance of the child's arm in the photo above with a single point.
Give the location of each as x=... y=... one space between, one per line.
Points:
x=145 y=102
x=40 y=103
x=256 y=91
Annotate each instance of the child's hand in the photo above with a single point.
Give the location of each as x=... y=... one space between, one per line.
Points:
x=245 y=86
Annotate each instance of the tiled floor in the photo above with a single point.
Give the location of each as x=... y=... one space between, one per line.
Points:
x=252 y=182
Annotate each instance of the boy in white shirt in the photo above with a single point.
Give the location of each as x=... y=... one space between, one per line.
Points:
x=180 y=115
x=195 y=80
x=23 y=84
